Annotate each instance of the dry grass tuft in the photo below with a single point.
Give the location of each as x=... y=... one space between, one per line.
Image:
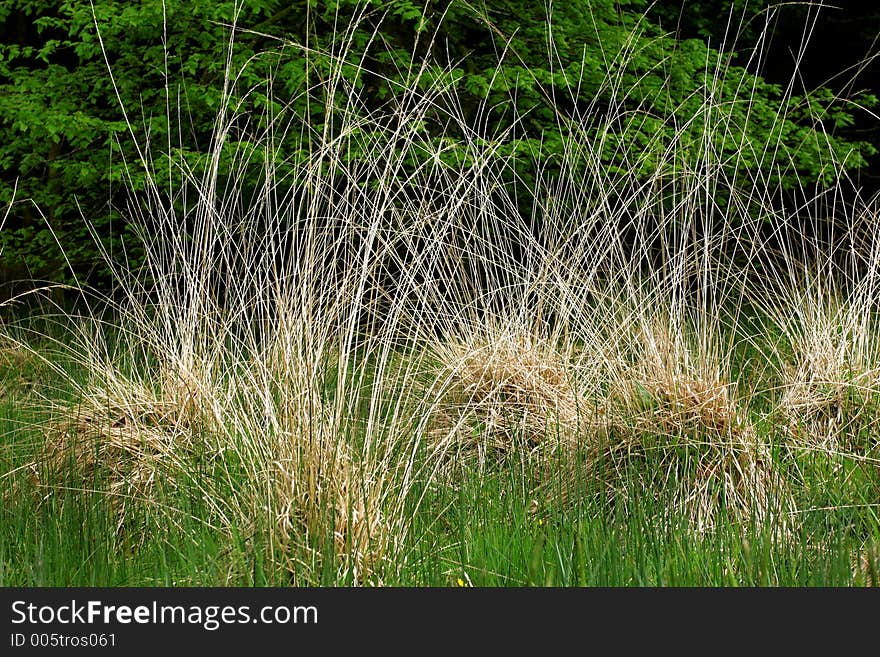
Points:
x=831 y=394
x=120 y=440
x=506 y=390
x=329 y=495
x=325 y=493
x=674 y=411
x=825 y=308
x=671 y=388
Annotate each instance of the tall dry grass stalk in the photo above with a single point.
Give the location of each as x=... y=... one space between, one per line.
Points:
x=270 y=329
x=823 y=301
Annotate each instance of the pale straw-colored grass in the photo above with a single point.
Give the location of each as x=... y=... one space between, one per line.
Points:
x=507 y=391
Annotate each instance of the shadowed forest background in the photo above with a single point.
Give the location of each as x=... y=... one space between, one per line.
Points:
x=65 y=151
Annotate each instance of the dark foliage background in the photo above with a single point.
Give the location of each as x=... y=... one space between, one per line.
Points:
x=66 y=153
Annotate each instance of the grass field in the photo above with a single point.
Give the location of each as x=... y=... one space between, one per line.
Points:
x=101 y=494
x=661 y=380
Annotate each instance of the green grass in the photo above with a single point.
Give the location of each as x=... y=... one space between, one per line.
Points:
x=496 y=525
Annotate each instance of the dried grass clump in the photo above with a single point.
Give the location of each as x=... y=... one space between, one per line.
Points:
x=328 y=497
x=831 y=395
x=673 y=386
x=325 y=493
x=121 y=440
x=674 y=412
x=505 y=391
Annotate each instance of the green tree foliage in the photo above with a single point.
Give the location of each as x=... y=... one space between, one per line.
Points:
x=595 y=69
